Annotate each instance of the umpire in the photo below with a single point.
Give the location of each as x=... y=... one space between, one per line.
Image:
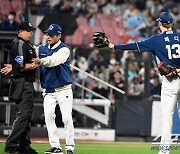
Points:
x=22 y=90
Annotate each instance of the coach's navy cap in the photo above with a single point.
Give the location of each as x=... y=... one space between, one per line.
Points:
x=165 y=17
x=25 y=25
x=53 y=29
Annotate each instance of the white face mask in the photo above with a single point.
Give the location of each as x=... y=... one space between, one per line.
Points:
x=112 y=61
x=10 y=17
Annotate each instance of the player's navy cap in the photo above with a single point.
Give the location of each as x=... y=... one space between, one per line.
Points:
x=53 y=29
x=165 y=17
x=25 y=25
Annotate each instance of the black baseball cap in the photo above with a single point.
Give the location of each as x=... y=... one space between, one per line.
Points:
x=165 y=17
x=25 y=25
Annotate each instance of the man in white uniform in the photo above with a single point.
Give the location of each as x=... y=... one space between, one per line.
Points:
x=55 y=77
x=165 y=47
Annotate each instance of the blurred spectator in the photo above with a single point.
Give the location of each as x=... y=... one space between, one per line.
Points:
x=112 y=8
x=127 y=55
x=42 y=6
x=83 y=65
x=138 y=23
x=118 y=82
x=92 y=9
x=54 y=5
x=130 y=11
x=10 y=24
x=137 y=86
x=92 y=6
x=176 y=16
x=155 y=8
x=66 y=8
x=132 y=69
x=112 y=61
x=83 y=12
x=155 y=86
x=76 y=5
x=151 y=25
x=168 y=5
x=101 y=4
x=116 y=67
x=92 y=58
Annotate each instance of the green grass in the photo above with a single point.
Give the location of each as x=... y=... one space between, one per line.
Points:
x=103 y=148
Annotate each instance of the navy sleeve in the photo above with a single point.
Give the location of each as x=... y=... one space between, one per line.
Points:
x=142 y=46
x=147 y=45
x=129 y=46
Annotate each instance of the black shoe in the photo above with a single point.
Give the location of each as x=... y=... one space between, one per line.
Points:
x=27 y=150
x=54 y=150
x=69 y=152
x=12 y=149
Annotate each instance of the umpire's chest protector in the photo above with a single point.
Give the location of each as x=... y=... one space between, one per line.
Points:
x=57 y=76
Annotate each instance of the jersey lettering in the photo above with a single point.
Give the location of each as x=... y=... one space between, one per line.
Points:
x=176 y=38
x=175 y=47
x=166 y=39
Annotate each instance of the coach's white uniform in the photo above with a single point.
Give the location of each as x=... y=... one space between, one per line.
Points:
x=56 y=83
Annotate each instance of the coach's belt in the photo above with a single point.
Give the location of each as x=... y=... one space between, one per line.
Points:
x=57 y=89
x=64 y=87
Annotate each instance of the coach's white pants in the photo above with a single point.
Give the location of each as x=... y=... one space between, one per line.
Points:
x=170 y=95
x=64 y=98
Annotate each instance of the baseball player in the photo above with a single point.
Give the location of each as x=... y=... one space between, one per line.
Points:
x=166 y=48
x=54 y=61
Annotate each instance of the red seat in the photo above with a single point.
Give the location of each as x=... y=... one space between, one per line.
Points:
x=17 y=5
x=95 y=29
x=68 y=40
x=81 y=21
x=5 y=7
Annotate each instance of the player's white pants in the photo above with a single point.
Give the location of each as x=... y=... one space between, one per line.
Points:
x=170 y=95
x=64 y=98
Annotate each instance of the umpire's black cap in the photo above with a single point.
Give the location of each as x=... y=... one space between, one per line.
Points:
x=25 y=25
x=165 y=17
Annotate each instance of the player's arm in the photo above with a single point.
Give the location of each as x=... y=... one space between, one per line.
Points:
x=141 y=46
x=129 y=46
x=55 y=59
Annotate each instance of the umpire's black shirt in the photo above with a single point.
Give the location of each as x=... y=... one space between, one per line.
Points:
x=22 y=52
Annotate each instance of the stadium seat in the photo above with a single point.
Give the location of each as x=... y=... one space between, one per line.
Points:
x=95 y=29
x=17 y=5
x=81 y=21
x=5 y=7
x=68 y=40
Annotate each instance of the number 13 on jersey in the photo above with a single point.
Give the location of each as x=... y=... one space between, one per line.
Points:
x=175 y=47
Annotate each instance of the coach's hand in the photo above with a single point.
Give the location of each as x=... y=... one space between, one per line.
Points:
x=36 y=60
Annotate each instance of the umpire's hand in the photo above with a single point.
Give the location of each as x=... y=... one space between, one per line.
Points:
x=7 y=69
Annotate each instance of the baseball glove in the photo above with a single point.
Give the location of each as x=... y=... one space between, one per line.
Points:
x=166 y=69
x=100 y=39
